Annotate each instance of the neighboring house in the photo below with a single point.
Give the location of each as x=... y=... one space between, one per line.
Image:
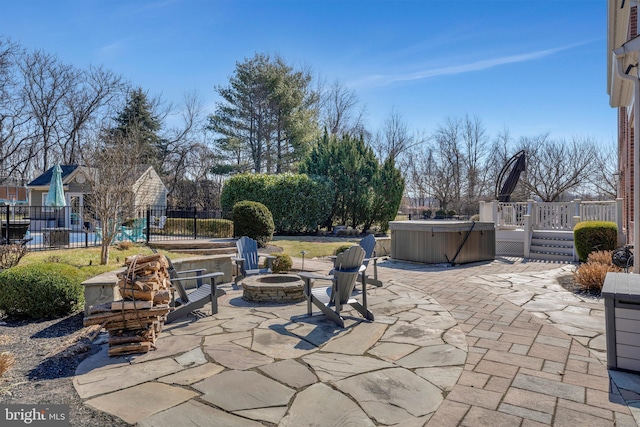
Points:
x=623 y=44
x=13 y=195
x=148 y=188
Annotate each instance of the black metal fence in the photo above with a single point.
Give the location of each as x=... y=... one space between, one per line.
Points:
x=45 y=227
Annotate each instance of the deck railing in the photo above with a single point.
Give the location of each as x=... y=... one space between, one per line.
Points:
x=550 y=216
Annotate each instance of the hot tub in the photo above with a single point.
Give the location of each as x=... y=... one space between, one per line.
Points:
x=436 y=242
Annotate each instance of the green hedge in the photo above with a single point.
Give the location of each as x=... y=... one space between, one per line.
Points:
x=218 y=228
x=590 y=236
x=41 y=291
x=297 y=202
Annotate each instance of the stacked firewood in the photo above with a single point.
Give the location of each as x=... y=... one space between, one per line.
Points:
x=134 y=322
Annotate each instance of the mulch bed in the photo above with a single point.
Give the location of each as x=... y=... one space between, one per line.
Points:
x=46 y=356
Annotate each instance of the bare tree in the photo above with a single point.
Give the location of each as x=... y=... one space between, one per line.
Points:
x=15 y=134
x=604 y=182
x=394 y=139
x=89 y=92
x=419 y=175
x=113 y=169
x=341 y=112
x=475 y=172
x=46 y=83
x=555 y=167
x=449 y=163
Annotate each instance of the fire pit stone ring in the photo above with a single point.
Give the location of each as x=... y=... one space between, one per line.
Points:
x=273 y=288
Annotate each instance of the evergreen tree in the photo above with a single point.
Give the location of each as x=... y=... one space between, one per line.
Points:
x=365 y=191
x=267 y=118
x=138 y=126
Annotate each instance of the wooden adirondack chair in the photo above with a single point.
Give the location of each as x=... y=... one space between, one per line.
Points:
x=330 y=299
x=248 y=259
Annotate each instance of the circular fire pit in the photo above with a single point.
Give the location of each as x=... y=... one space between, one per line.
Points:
x=280 y=288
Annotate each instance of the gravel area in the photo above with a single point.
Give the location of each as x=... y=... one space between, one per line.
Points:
x=46 y=356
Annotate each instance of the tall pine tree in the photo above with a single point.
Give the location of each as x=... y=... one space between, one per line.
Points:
x=137 y=127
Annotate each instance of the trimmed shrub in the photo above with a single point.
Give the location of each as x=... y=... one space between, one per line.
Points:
x=282 y=263
x=440 y=214
x=254 y=220
x=298 y=203
x=592 y=236
x=41 y=291
x=342 y=248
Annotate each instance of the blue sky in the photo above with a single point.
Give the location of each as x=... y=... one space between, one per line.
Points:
x=530 y=66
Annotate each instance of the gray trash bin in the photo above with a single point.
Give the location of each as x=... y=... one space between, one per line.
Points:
x=621 y=293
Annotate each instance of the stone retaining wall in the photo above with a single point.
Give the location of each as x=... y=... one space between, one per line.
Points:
x=103 y=288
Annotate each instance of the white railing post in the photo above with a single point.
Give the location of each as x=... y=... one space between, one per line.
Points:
x=531 y=213
x=576 y=213
x=494 y=213
x=528 y=233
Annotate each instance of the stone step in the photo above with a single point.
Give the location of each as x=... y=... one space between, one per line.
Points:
x=205 y=251
x=177 y=245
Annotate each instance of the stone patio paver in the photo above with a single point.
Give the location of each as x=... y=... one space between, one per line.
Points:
x=196 y=414
x=109 y=380
x=391 y=396
x=290 y=372
x=138 y=402
x=311 y=407
x=241 y=390
x=192 y=375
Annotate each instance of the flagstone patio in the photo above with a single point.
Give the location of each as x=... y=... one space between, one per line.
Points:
x=495 y=343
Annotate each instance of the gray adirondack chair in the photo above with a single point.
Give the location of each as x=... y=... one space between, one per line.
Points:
x=186 y=302
x=330 y=299
x=368 y=243
x=248 y=259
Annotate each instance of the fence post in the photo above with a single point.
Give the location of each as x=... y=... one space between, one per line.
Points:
x=195 y=223
x=148 y=226
x=494 y=212
x=6 y=218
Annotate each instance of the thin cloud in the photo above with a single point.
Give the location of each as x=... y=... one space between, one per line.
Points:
x=386 y=79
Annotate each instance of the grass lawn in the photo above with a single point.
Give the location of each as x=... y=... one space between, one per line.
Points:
x=88 y=259
x=314 y=246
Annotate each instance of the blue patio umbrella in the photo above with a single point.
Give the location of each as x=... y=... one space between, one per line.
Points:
x=55 y=196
